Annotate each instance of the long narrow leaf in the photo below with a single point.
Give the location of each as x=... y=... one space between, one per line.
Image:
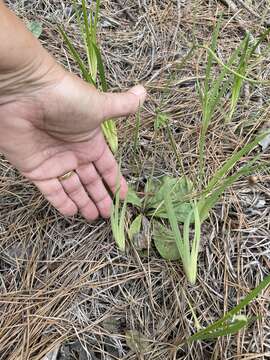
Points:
x=237 y=84
x=226 y=329
x=218 y=327
x=96 y=16
x=210 y=57
x=229 y=164
x=77 y=57
x=205 y=204
x=101 y=69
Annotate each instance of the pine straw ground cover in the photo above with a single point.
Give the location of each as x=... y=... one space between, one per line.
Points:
x=64 y=285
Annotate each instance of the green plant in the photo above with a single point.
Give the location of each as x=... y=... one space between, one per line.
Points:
x=177 y=201
x=118 y=221
x=88 y=26
x=231 y=322
x=229 y=80
x=188 y=253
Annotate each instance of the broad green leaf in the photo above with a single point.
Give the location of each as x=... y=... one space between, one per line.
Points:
x=165 y=242
x=35 y=27
x=132 y=198
x=135 y=227
x=182 y=210
x=178 y=188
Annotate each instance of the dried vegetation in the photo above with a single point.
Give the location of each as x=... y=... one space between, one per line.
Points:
x=63 y=283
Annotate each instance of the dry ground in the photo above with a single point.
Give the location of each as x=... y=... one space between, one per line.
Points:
x=62 y=281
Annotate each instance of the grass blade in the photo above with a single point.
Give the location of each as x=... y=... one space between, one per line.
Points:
x=89 y=41
x=118 y=219
x=220 y=327
x=76 y=57
x=100 y=67
x=238 y=81
x=110 y=133
x=189 y=259
x=229 y=164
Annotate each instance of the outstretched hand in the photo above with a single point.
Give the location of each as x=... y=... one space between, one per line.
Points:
x=54 y=128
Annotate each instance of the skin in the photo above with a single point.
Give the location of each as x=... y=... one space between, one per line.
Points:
x=50 y=124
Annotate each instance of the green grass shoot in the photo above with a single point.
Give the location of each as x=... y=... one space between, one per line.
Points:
x=232 y=321
x=221 y=180
x=118 y=221
x=229 y=80
x=166 y=203
x=94 y=67
x=188 y=253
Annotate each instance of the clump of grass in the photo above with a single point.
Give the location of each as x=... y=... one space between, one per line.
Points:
x=188 y=253
x=88 y=26
x=229 y=80
x=179 y=203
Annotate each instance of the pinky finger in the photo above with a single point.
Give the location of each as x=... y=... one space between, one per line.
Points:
x=55 y=194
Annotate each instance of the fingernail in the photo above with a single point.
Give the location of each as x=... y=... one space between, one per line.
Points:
x=138 y=90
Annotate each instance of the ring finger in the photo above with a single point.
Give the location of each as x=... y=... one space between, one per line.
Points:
x=75 y=190
x=96 y=189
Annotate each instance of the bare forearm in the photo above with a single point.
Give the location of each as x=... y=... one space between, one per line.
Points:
x=22 y=58
x=18 y=47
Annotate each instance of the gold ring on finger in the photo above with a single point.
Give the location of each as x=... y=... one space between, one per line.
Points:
x=66 y=175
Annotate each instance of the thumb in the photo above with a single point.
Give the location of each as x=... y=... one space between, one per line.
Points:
x=123 y=104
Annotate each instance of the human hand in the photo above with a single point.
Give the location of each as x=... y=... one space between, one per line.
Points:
x=55 y=128
x=50 y=124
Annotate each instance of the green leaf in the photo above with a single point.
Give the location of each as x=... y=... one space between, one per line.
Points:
x=210 y=57
x=132 y=198
x=238 y=81
x=35 y=27
x=135 y=227
x=89 y=42
x=230 y=323
x=230 y=163
x=118 y=220
x=110 y=133
x=165 y=242
x=76 y=56
x=101 y=69
x=226 y=329
x=161 y=121
x=179 y=189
